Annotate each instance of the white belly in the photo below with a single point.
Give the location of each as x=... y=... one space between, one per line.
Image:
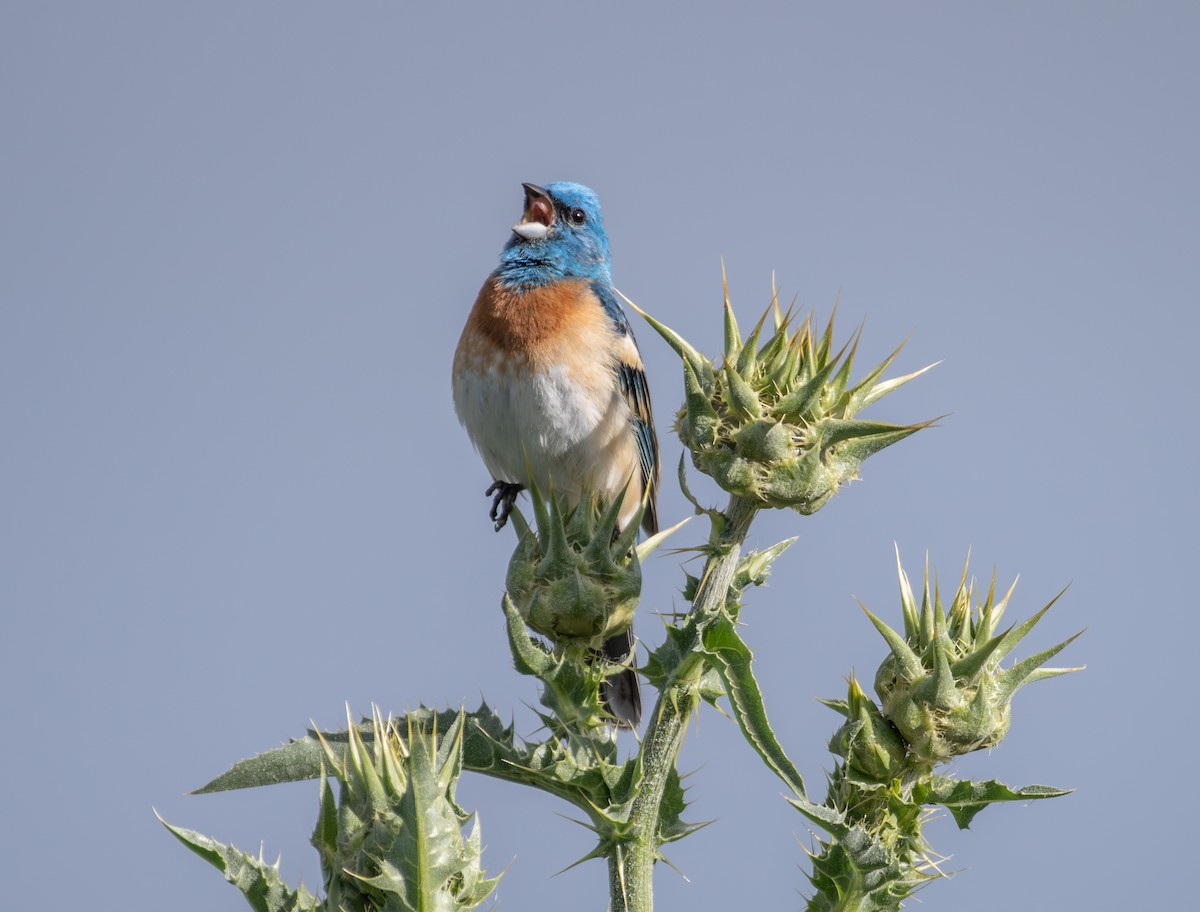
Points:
x=545 y=427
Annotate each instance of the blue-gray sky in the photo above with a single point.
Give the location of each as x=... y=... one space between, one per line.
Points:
x=238 y=242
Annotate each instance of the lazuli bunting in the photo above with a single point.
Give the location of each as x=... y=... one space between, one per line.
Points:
x=549 y=382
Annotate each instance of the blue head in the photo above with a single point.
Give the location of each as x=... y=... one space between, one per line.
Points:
x=560 y=235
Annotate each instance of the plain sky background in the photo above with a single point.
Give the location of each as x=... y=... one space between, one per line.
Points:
x=237 y=245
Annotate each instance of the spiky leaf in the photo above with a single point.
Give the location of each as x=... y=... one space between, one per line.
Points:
x=731 y=657
x=860 y=872
x=486 y=745
x=964 y=798
x=571 y=685
x=259 y=882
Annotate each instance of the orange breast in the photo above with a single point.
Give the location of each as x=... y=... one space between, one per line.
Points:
x=559 y=324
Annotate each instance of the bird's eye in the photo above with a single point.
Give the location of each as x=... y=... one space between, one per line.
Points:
x=578 y=216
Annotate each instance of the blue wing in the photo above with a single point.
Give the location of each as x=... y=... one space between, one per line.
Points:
x=631 y=376
x=637 y=394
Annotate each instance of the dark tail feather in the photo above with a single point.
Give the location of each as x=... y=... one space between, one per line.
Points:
x=622 y=692
x=650 y=517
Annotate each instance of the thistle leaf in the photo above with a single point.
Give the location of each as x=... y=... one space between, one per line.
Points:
x=964 y=798
x=570 y=686
x=324 y=838
x=665 y=660
x=838 y=706
x=830 y=820
x=486 y=744
x=529 y=657
x=858 y=871
x=755 y=566
x=258 y=881
x=715 y=516
x=671 y=825
x=731 y=657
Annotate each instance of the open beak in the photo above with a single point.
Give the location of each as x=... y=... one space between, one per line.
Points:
x=539 y=214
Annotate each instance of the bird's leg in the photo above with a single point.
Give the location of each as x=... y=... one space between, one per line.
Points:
x=504 y=495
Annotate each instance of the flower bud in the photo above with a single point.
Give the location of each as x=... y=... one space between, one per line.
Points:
x=776 y=422
x=870 y=745
x=575 y=579
x=943 y=686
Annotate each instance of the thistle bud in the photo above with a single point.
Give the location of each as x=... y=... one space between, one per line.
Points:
x=397 y=810
x=775 y=422
x=943 y=686
x=575 y=579
x=870 y=745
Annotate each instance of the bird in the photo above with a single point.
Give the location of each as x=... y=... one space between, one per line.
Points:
x=550 y=385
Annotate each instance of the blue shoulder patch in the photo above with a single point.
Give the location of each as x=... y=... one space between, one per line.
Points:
x=608 y=300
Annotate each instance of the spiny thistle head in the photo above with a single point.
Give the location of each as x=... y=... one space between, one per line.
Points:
x=870 y=745
x=775 y=420
x=575 y=579
x=943 y=686
x=394 y=840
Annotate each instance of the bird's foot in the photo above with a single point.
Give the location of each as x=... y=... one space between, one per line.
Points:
x=504 y=495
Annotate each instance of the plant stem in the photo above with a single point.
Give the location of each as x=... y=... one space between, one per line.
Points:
x=631 y=863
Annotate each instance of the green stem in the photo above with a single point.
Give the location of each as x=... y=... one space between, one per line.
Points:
x=631 y=863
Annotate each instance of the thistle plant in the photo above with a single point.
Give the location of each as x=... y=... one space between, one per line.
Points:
x=392 y=840
x=943 y=693
x=774 y=421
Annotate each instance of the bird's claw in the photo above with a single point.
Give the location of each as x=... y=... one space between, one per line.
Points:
x=504 y=496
